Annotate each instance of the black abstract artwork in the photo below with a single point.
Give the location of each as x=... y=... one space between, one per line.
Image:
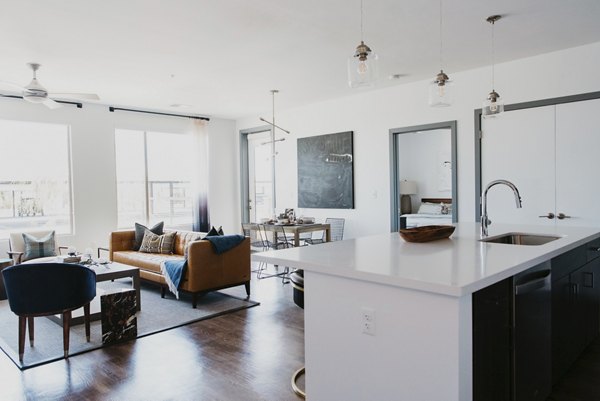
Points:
x=325 y=171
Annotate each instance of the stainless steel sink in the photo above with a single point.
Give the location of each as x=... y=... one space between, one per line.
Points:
x=521 y=239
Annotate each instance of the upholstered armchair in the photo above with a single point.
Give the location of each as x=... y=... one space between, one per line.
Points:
x=43 y=289
x=17 y=248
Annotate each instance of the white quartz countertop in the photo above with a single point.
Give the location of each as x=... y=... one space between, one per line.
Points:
x=456 y=266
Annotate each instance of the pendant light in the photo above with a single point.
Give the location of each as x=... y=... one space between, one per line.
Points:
x=273 y=142
x=441 y=93
x=362 y=65
x=492 y=106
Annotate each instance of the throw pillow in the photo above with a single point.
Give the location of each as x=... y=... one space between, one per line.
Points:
x=213 y=231
x=186 y=247
x=38 y=247
x=430 y=208
x=140 y=230
x=152 y=243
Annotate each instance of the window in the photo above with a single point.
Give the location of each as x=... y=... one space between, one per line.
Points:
x=35 y=177
x=154 y=178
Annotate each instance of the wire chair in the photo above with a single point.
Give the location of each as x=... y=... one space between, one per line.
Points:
x=336 y=229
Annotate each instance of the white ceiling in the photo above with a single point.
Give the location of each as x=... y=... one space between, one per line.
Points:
x=223 y=57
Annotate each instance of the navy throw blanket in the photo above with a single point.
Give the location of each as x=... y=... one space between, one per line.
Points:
x=173 y=271
x=223 y=243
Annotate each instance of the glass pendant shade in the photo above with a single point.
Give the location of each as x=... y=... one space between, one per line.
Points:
x=362 y=67
x=441 y=91
x=492 y=106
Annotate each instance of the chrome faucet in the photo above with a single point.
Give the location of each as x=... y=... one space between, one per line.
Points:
x=485 y=222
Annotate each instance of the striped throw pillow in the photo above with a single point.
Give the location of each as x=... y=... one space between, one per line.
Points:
x=153 y=243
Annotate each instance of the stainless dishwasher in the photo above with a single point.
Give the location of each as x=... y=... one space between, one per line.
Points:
x=532 y=360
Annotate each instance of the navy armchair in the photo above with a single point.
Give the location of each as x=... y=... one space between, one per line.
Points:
x=43 y=289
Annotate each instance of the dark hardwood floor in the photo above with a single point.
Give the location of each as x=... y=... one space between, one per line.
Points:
x=247 y=355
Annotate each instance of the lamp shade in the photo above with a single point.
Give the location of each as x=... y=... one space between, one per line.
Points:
x=408 y=187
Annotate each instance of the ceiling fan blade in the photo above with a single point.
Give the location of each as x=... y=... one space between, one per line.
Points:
x=10 y=85
x=87 y=96
x=51 y=104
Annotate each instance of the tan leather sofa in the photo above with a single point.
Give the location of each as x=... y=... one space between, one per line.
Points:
x=206 y=271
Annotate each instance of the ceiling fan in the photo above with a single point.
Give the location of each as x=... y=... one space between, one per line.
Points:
x=34 y=92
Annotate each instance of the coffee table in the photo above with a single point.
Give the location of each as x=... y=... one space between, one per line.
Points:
x=106 y=272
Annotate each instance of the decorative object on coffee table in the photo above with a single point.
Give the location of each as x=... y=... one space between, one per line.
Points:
x=426 y=233
x=118 y=316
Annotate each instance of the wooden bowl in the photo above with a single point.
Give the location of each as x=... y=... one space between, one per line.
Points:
x=426 y=233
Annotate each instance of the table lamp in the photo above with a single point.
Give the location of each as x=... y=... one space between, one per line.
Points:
x=407 y=188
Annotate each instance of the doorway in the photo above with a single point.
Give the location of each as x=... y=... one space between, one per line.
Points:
x=256 y=174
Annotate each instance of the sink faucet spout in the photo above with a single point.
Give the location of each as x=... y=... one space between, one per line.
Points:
x=485 y=221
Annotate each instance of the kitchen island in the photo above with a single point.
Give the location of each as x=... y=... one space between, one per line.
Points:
x=416 y=300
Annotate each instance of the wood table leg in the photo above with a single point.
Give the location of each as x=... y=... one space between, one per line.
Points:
x=296 y=239
x=136 y=286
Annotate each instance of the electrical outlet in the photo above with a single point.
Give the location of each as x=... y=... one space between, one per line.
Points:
x=368 y=321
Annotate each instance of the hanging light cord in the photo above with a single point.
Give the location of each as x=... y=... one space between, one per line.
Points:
x=493 y=56
x=441 y=38
x=361 y=21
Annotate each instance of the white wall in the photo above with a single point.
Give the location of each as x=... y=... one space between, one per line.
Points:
x=371 y=114
x=93 y=164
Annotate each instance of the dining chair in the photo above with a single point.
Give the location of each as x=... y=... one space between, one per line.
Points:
x=279 y=241
x=253 y=231
x=257 y=243
x=336 y=231
x=44 y=289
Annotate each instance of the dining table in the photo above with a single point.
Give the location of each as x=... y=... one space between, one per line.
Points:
x=296 y=229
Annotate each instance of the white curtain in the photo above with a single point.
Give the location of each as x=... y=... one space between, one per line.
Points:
x=199 y=132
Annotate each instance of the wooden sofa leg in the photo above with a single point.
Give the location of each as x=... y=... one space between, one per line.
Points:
x=162 y=291
x=194 y=300
x=247 y=285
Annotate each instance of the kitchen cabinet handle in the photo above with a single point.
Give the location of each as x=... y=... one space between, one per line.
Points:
x=550 y=215
x=533 y=285
x=588 y=279
x=575 y=291
x=561 y=216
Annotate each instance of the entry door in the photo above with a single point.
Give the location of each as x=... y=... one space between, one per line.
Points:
x=260 y=176
x=577 y=163
x=519 y=146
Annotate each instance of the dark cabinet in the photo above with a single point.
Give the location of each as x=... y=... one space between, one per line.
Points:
x=575 y=306
x=522 y=343
x=492 y=342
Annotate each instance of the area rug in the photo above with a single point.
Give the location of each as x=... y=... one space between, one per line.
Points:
x=157 y=315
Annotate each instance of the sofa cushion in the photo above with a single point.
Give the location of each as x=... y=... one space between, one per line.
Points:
x=153 y=243
x=182 y=240
x=141 y=229
x=145 y=261
x=38 y=247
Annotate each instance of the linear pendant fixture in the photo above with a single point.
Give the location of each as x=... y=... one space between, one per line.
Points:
x=362 y=65
x=492 y=106
x=441 y=89
x=273 y=141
